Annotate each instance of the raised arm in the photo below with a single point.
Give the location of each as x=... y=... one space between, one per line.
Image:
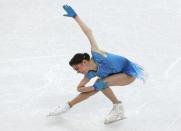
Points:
x=87 y=31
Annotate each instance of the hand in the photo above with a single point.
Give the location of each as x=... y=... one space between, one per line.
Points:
x=100 y=85
x=70 y=11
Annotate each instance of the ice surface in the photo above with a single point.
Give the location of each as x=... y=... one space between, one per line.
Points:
x=37 y=42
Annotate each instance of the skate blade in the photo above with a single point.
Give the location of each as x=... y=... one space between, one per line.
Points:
x=53 y=115
x=113 y=121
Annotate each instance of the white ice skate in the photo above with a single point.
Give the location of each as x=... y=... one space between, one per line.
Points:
x=116 y=114
x=60 y=110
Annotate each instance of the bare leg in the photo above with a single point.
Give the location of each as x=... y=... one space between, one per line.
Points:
x=77 y=99
x=120 y=79
x=113 y=80
x=110 y=95
x=81 y=97
x=116 y=80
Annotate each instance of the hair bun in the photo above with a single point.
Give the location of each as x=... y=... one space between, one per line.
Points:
x=86 y=56
x=78 y=58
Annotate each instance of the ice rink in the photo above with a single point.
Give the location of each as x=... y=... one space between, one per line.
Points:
x=37 y=42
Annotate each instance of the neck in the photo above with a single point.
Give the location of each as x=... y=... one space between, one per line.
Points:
x=92 y=65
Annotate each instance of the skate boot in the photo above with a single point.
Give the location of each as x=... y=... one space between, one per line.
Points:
x=116 y=114
x=60 y=110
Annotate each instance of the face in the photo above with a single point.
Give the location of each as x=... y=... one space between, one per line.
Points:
x=81 y=68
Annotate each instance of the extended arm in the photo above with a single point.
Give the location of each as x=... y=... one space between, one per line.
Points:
x=87 y=31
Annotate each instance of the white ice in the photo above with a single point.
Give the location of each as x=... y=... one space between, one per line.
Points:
x=37 y=42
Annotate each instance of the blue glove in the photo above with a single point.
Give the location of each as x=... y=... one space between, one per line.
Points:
x=100 y=85
x=70 y=11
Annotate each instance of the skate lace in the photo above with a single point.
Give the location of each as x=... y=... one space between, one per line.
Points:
x=112 y=110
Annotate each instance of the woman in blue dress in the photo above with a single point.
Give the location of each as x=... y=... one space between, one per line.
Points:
x=111 y=70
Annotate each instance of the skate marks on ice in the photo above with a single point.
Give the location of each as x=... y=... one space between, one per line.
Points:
x=28 y=58
x=98 y=117
x=141 y=107
x=166 y=76
x=171 y=125
x=171 y=67
x=61 y=123
x=115 y=121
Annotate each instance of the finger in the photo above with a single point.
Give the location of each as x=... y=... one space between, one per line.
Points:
x=66 y=15
x=64 y=6
x=68 y=7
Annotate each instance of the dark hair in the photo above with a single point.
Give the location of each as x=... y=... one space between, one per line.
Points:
x=78 y=58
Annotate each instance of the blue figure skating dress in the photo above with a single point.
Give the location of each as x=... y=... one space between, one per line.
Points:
x=113 y=64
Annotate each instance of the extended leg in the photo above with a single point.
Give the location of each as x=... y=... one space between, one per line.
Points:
x=81 y=97
x=64 y=108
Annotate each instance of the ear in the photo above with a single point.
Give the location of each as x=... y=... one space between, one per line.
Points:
x=84 y=62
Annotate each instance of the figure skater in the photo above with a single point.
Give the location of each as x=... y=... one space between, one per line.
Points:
x=111 y=70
